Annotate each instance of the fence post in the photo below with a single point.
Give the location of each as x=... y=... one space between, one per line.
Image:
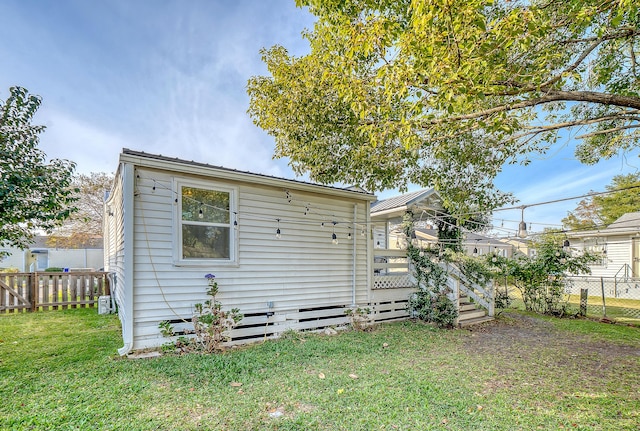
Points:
x=604 y=306
x=584 y=293
x=33 y=290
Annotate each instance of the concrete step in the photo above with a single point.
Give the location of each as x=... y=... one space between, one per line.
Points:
x=475 y=321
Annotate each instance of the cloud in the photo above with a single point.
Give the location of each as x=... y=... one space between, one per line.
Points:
x=92 y=148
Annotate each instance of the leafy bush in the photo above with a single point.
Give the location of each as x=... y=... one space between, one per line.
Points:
x=54 y=269
x=503 y=300
x=431 y=302
x=210 y=324
x=9 y=270
x=541 y=279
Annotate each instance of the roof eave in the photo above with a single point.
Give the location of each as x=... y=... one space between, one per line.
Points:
x=184 y=166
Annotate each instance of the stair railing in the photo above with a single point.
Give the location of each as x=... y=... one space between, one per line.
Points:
x=627 y=273
x=482 y=295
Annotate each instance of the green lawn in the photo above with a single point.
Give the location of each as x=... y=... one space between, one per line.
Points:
x=58 y=370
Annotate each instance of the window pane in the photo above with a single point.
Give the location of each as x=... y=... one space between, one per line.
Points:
x=205 y=242
x=208 y=206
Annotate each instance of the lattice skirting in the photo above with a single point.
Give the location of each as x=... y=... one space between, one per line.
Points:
x=391 y=281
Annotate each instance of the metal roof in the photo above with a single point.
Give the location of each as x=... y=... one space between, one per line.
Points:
x=402 y=201
x=483 y=240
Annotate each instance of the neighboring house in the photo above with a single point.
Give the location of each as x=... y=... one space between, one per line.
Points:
x=475 y=244
x=387 y=214
x=426 y=206
x=520 y=246
x=618 y=246
x=391 y=267
x=43 y=254
x=288 y=254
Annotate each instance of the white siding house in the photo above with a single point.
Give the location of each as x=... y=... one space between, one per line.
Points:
x=269 y=242
x=618 y=244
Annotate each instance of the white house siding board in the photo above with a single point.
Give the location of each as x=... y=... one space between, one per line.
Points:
x=618 y=254
x=80 y=258
x=114 y=244
x=303 y=269
x=15 y=259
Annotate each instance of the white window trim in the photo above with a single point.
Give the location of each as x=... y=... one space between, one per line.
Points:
x=592 y=246
x=178 y=260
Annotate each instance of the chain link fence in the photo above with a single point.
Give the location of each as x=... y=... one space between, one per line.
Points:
x=617 y=299
x=613 y=298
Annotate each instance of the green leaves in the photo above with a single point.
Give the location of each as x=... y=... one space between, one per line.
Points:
x=34 y=193
x=624 y=197
x=444 y=93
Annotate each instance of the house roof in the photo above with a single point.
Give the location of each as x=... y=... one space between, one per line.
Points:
x=397 y=205
x=159 y=161
x=471 y=237
x=628 y=223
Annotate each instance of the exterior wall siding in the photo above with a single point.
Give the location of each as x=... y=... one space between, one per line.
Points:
x=618 y=254
x=15 y=259
x=301 y=270
x=114 y=244
x=81 y=258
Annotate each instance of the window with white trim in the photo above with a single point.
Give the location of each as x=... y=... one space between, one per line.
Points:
x=593 y=246
x=205 y=223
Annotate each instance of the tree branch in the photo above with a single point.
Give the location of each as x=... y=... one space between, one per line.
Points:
x=628 y=32
x=549 y=97
x=603 y=132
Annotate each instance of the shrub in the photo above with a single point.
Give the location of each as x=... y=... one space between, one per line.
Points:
x=210 y=324
x=54 y=269
x=541 y=279
x=431 y=302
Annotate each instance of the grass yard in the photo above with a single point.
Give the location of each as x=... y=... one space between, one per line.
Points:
x=58 y=371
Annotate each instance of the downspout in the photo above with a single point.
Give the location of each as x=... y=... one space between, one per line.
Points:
x=127 y=285
x=369 y=251
x=355 y=255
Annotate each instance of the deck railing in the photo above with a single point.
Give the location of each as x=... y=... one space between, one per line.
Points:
x=35 y=291
x=391 y=269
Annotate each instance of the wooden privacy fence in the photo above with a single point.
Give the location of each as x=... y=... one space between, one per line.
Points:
x=36 y=291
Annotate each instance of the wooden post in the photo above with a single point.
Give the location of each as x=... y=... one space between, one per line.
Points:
x=604 y=305
x=33 y=290
x=583 y=301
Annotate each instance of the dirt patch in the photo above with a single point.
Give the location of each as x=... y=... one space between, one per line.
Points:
x=523 y=353
x=523 y=334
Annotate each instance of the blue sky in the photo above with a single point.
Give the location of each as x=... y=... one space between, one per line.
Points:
x=169 y=77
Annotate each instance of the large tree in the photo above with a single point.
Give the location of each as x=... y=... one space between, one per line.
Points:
x=443 y=93
x=84 y=227
x=34 y=194
x=622 y=196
